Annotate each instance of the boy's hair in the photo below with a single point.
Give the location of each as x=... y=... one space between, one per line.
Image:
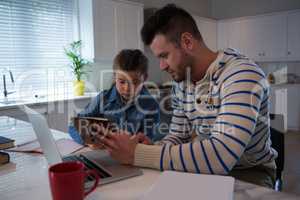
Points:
x=170 y=21
x=131 y=60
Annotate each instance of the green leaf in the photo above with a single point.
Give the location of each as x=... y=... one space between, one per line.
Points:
x=78 y=64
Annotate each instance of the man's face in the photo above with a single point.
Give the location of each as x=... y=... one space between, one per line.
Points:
x=172 y=58
x=128 y=83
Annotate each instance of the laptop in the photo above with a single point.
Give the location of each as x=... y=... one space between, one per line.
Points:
x=108 y=169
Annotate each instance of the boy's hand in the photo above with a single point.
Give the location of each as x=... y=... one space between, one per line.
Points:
x=96 y=146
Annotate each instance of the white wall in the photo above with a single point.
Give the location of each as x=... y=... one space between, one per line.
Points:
x=196 y=7
x=199 y=7
x=222 y=9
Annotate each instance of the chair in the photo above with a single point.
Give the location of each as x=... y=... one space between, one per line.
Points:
x=277 y=139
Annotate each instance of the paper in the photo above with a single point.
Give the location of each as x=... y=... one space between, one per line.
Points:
x=183 y=186
x=65 y=146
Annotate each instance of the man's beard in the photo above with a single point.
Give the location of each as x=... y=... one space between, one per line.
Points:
x=184 y=67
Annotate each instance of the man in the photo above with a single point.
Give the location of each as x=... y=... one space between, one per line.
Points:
x=220 y=122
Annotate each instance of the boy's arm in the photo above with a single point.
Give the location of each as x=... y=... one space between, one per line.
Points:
x=74 y=134
x=91 y=110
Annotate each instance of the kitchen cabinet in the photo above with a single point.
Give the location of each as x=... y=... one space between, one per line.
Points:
x=112 y=26
x=293 y=108
x=280 y=103
x=208 y=30
x=284 y=100
x=229 y=35
x=129 y=22
x=222 y=34
x=264 y=38
x=293 y=45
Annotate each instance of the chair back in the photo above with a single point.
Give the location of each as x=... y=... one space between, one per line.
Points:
x=277 y=139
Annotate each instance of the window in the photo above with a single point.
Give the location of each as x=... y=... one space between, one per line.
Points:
x=33 y=34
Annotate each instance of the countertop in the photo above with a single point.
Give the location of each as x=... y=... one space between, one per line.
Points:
x=284 y=85
x=42 y=100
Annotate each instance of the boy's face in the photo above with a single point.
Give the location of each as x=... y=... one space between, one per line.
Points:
x=128 y=83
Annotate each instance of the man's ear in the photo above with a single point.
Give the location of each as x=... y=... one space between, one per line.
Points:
x=187 y=41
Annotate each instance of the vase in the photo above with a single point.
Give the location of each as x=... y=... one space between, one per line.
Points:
x=79 y=87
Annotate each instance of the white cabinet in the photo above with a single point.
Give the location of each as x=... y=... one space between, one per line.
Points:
x=293 y=112
x=208 y=30
x=112 y=26
x=264 y=38
x=285 y=101
x=280 y=104
x=251 y=38
x=274 y=37
x=293 y=49
x=129 y=21
x=229 y=35
x=105 y=32
x=222 y=35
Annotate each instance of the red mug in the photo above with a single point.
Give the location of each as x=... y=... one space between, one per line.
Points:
x=67 y=180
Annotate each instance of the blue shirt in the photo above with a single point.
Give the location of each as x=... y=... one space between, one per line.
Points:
x=142 y=115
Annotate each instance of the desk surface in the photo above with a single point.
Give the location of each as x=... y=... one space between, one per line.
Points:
x=25 y=177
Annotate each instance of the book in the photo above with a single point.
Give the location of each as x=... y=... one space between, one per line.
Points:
x=4 y=158
x=91 y=129
x=6 y=143
x=179 y=185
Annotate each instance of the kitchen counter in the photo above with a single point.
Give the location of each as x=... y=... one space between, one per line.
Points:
x=44 y=100
x=58 y=110
x=283 y=85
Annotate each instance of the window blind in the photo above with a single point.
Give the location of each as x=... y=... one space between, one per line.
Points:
x=33 y=34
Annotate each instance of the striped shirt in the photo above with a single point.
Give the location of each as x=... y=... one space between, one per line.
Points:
x=218 y=123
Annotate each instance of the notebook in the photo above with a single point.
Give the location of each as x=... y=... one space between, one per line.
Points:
x=4 y=158
x=181 y=186
x=6 y=143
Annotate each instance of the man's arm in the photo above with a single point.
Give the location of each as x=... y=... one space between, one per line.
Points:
x=232 y=131
x=179 y=130
x=150 y=126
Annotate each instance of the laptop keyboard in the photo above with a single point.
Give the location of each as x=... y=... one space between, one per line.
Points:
x=89 y=165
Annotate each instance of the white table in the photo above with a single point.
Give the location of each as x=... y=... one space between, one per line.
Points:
x=26 y=178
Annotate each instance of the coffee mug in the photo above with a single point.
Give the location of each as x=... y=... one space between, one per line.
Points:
x=67 y=180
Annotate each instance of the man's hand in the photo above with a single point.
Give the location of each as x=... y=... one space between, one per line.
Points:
x=142 y=138
x=121 y=146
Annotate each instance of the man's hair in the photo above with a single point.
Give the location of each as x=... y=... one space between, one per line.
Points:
x=131 y=60
x=170 y=21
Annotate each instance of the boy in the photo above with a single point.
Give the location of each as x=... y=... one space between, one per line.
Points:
x=127 y=103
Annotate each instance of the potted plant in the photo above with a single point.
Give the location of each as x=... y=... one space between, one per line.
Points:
x=77 y=65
